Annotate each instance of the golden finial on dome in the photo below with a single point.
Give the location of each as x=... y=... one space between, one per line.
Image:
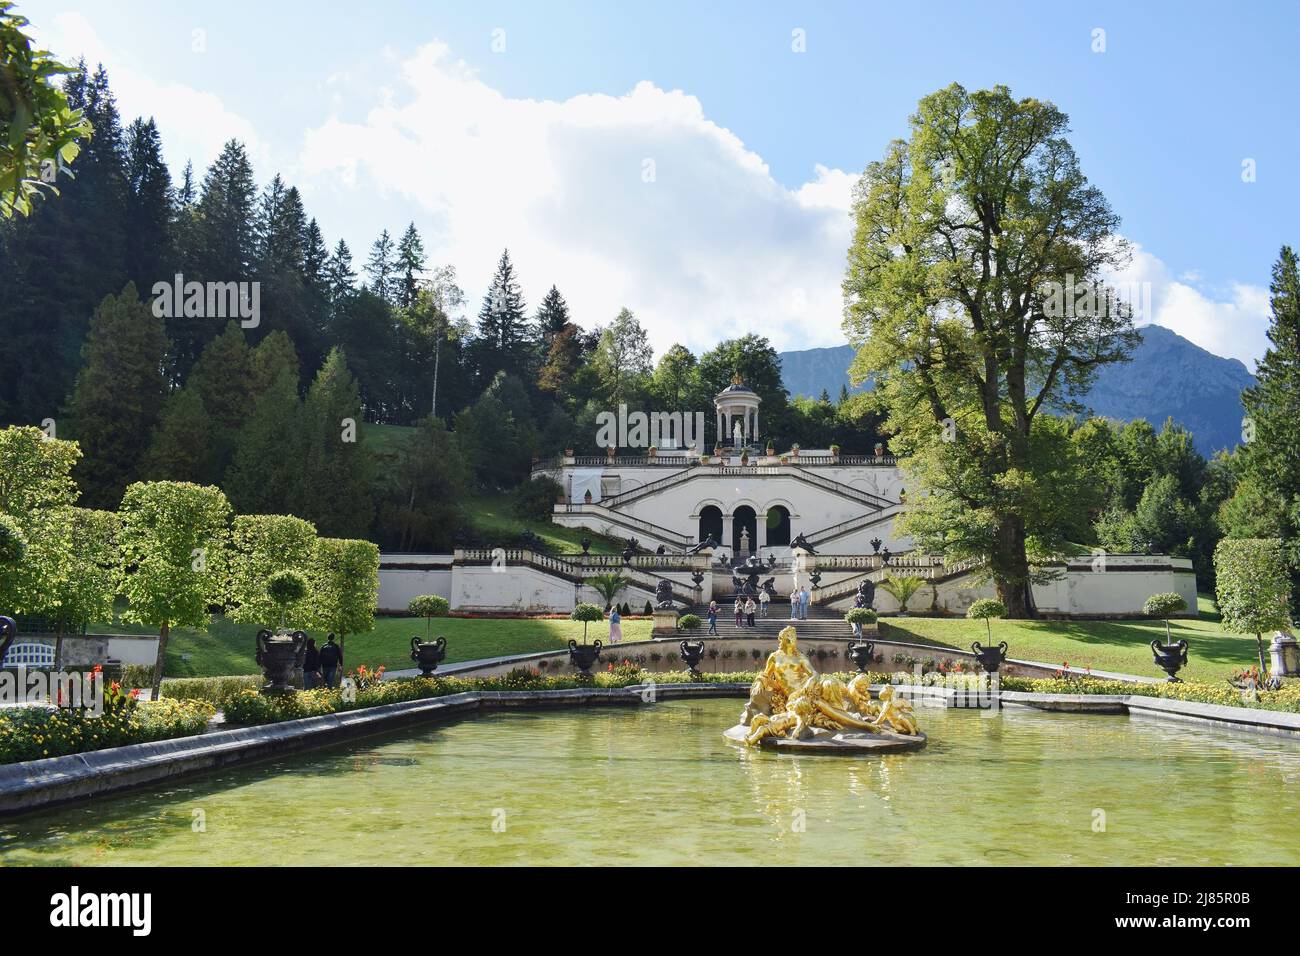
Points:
x=736 y=379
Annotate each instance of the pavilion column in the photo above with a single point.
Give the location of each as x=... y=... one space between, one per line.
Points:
x=760 y=531
x=727 y=528
x=718 y=439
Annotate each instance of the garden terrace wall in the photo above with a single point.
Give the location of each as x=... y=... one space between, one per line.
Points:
x=742 y=657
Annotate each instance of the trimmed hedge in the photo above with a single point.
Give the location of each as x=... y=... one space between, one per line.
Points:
x=215 y=690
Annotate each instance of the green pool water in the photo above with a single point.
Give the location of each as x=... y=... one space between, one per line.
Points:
x=659 y=785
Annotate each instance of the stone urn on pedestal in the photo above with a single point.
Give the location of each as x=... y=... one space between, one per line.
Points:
x=280 y=654
x=584 y=655
x=861 y=653
x=428 y=654
x=1170 y=658
x=692 y=654
x=277 y=655
x=8 y=631
x=990 y=658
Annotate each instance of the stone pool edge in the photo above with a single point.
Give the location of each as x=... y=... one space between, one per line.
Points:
x=38 y=784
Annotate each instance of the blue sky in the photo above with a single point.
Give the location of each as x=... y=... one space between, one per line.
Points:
x=531 y=125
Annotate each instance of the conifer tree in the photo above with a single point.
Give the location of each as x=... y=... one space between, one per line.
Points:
x=381 y=268
x=410 y=266
x=332 y=489
x=221 y=378
x=1272 y=451
x=149 y=212
x=267 y=459
x=181 y=447
x=503 y=336
x=119 y=395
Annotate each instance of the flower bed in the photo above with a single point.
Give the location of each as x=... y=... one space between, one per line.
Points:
x=33 y=733
x=248 y=707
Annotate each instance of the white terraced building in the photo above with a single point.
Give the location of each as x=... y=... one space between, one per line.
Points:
x=751 y=503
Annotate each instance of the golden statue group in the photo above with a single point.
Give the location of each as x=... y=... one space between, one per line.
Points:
x=790 y=699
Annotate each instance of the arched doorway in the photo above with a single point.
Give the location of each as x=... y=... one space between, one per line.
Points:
x=711 y=523
x=744 y=519
x=778 y=525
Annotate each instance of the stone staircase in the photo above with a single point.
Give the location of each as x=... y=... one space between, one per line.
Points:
x=821 y=622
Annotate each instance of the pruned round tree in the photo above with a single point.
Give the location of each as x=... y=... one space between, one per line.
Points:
x=586 y=613
x=985 y=609
x=429 y=606
x=860 y=615
x=689 y=622
x=286 y=589
x=1165 y=605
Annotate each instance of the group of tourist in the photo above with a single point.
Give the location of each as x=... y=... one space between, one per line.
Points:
x=321 y=666
x=800 y=598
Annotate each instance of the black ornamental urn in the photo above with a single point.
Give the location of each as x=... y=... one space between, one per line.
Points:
x=8 y=631
x=428 y=654
x=692 y=654
x=584 y=655
x=990 y=658
x=1170 y=658
x=861 y=653
x=277 y=655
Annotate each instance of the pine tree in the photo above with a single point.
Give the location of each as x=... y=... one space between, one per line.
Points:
x=503 y=336
x=58 y=264
x=267 y=460
x=333 y=488
x=215 y=237
x=382 y=268
x=149 y=211
x=340 y=278
x=181 y=448
x=185 y=195
x=552 y=317
x=410 y=266
x=119 y=395
x=273 y=356
x=222 y=379
x=1272 y=455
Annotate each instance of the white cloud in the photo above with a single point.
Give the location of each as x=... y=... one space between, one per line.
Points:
x=635 y=200
x=1230 y=321
x=194 y=124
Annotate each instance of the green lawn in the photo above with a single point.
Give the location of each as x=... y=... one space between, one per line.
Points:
x=1123 y=646
x=227 y=648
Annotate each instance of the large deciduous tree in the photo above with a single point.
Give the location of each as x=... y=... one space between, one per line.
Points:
x=974 y=293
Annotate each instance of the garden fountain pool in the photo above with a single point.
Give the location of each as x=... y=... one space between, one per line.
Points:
x=658 y=785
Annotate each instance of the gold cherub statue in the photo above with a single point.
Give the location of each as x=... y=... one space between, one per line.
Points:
x=789 y=698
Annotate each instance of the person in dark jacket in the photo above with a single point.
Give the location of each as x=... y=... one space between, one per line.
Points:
x=311 y=666
x=331 y=661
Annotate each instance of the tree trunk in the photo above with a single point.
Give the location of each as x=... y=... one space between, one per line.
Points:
x=163 y=633
x=1011 y=568
x=58 y=649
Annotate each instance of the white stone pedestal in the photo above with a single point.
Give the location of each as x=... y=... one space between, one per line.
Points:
x=665 y=623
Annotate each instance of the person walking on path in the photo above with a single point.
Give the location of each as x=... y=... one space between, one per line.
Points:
x=713 y=618
x=763 y=598
x=738 y=610
x=750 y=608
x=615 y=625
x=331 y=661
x=794 y=604
x=311 y=666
